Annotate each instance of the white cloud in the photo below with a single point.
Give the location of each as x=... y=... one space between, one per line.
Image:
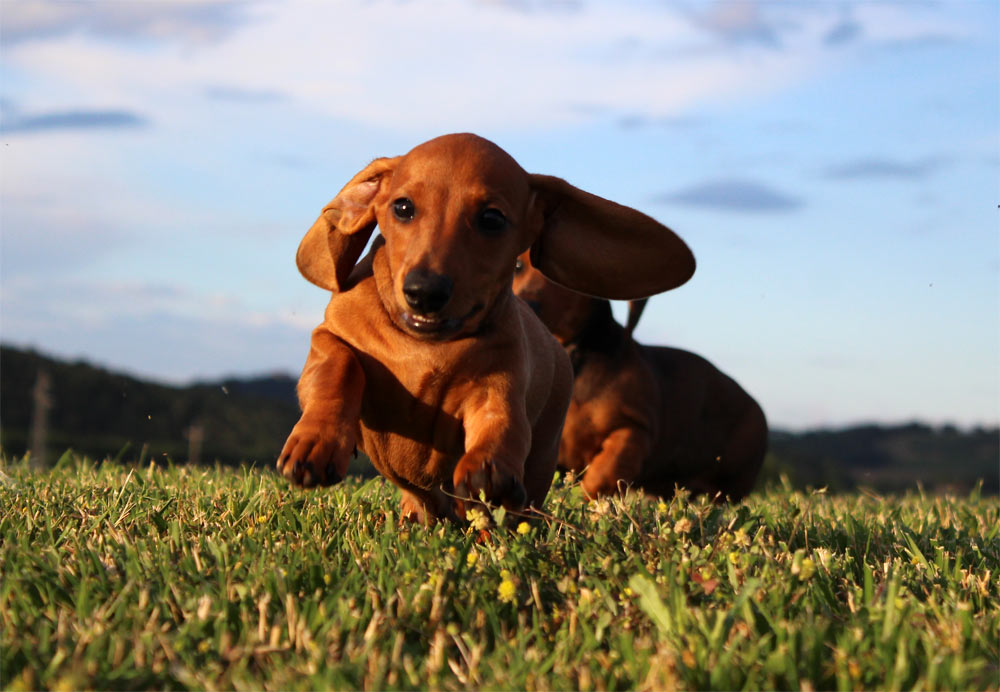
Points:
x=76 y=308
x=70 y=201
x=169 y=249
x=411 y=65
x=452 y=64
x=155 y=330
x=888 y=22
x=191 y=21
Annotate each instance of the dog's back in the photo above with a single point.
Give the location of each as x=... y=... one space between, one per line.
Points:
x=713 y=434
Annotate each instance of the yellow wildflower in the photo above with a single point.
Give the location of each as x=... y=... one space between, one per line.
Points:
x=478 y=519
x=524 y=528
x=661 y=507
x=507 y=591
x=806 y=568
x=472 y=558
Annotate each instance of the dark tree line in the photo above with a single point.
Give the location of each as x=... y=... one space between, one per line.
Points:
x=108 y=415
x=100 y=413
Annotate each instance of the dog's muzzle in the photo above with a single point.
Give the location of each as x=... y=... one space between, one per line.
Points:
x=426 y=292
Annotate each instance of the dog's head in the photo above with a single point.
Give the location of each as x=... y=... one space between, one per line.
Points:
x=563 y=311
x=456 y=212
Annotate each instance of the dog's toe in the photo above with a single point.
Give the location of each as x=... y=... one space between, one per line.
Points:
x=330 y=476
x=310 y=458
x=495 y=483
x=507 y=489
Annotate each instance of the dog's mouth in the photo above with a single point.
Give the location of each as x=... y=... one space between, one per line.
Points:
x=435 y=326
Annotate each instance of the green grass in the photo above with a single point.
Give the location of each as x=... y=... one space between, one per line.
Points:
x=131 y=578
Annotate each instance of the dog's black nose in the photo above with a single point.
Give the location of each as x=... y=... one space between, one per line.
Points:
x=427 y=292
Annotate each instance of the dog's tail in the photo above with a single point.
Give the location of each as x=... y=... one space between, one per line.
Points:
x=635 y=308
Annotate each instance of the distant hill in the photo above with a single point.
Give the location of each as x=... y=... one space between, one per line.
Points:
x=98 y=412
x=886 y=458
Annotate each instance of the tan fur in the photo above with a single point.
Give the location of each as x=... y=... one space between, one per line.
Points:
x=468 y=396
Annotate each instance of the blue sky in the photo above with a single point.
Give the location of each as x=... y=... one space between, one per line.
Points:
x=835 y=166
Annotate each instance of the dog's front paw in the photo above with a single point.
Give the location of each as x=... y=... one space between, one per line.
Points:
x=314 y=455
x=497 y=485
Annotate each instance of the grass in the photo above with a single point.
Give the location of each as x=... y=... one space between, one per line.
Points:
x=130 y=578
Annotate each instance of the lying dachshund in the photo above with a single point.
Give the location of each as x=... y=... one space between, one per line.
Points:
x=425 y=359
x=648 y=416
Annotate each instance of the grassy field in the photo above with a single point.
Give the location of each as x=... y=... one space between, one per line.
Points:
x=131 y=578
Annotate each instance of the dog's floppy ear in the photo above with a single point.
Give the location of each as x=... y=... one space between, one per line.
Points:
x=595 y=246
x=635 y=308
x=331 y=248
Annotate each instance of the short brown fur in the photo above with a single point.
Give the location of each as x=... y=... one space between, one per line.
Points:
x=643 y=415
x=459 y=390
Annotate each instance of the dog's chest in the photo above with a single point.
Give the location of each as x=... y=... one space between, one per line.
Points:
x=410 y=414
x=408 y=419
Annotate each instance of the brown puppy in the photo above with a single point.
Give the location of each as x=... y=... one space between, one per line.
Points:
x=425 y=359
x=649 y=416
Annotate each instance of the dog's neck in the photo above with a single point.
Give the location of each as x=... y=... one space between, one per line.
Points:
x=600 y=335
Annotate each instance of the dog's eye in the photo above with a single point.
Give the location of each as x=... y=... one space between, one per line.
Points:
x=492 y=220
x=518 y=266
x=404 y=209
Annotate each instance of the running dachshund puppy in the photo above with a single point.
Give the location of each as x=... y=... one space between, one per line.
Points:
x=646 y=415
x=425 y=359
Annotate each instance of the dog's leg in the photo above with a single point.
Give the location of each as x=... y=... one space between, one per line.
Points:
x=425 y=507
x=620 y=459
x=540 y=465
x=497 y=441
x=321 y=443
